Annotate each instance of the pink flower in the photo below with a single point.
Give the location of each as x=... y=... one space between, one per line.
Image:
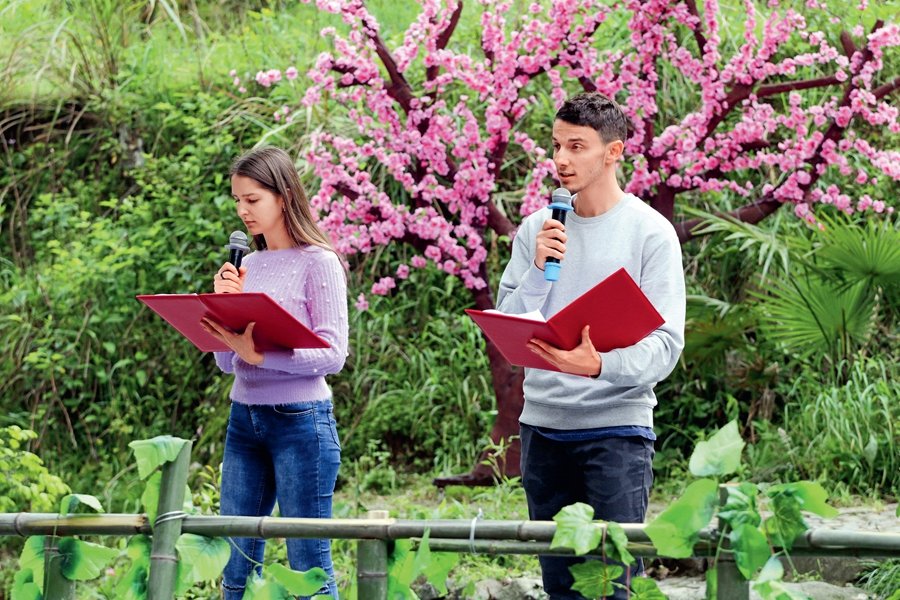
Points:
x=291 y=73
x=361 y=303
x=878 y=206
x=418 y=262
x=403 y=271
x=383 y=286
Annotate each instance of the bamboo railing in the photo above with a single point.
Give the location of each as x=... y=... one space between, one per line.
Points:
x=373 y=534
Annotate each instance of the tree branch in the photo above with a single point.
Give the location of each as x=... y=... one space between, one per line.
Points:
x=883 y=90
x=698 y=34
x=847 y=43
x=444 y=39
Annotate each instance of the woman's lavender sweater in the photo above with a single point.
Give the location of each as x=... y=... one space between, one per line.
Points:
x=309 y=283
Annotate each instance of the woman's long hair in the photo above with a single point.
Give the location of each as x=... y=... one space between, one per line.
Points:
x=273 y=169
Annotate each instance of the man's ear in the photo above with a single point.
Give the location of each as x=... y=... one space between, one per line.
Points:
x=616 y=149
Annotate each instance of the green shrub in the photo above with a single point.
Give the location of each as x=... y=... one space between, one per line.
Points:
x=846 y=436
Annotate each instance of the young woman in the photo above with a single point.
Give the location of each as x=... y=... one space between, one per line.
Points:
x=282 y=444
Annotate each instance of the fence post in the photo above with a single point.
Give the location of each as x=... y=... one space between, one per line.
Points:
x=731 y=584
x=372 y=564
x=56 y=585
x=167 y=529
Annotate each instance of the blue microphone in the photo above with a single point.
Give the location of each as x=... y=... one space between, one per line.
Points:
x=560 y=204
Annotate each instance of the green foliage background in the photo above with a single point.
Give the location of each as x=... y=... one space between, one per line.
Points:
x=119 y=123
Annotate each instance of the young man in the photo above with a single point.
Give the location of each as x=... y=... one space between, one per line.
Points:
x=588 y=437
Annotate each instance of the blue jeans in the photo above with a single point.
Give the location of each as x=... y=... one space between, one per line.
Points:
x=289 y=453
x=613 y=475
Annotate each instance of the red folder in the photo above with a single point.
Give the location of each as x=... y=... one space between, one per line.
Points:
x=276 y=328
x=618 y=312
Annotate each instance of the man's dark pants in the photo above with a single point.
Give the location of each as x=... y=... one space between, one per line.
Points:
x=612 y=474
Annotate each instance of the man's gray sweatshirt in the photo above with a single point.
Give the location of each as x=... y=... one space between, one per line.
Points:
x=631 y=235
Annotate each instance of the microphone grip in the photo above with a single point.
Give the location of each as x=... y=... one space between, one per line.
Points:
x=558 y=215
x=234 y=257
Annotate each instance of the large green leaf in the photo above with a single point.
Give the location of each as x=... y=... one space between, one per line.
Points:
x=643 y=588
x=134 y=584
x=32 y=558
x=720 y=454
x=676 y=530
x=151 y=454
x=769 y=584
x=869 y=253
x=813 y=316
x=263 y=588
x=751 y=549
x=83 y=561
x=786 y=522
x=401 y=571
x=812 y=496
x=740 y=505
x=575 y=529
x=616 y=545
x=68 y=504
x=434 y=566
x=595 y=579
x=150 y=497
x=305 y=583
x=200 y=558
x=24 y=587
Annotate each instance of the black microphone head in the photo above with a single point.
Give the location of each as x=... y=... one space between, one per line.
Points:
x=561 y=195
x=238 y=241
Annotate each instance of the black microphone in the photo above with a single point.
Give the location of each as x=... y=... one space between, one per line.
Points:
x=237 y=246
x=561 y=204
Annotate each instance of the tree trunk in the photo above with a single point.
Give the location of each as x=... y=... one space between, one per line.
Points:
x=507 y=383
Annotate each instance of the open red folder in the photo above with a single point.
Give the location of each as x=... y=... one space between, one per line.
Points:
x=276 y=328
x=618 y=312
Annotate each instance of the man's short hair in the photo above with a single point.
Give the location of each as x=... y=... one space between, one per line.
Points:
x=593 y=109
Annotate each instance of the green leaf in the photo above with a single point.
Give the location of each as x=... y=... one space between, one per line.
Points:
x=401 y=571
x=676 y=530
x=575 y=529
x=200 y=558
x=435 y=566
x=299 y=583
x=68 y=503
x=720 y=454
x=751 y=549
x=617 y=544
x=644 y=588
x=740 y=505
x=32 y=558
x=83 y=561
x=786 y=522
x=24 y=587
x=811 y=495
x=595 y=579
x=150 y=497
x=769 y=584
x=151 y=454
x=263 y=588
x=134 y=585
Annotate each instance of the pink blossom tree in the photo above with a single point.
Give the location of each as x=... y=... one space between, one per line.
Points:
x=784 y=115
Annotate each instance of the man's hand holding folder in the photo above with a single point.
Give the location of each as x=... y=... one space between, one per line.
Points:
x=613 y=314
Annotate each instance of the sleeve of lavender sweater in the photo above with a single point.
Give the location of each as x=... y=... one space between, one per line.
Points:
x=326 y=291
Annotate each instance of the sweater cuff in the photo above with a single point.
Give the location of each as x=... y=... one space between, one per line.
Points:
x=534 y=280
x=612 y=366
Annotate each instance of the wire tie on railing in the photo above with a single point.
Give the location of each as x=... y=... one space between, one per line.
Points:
x=175 y=515
x=475 y=519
